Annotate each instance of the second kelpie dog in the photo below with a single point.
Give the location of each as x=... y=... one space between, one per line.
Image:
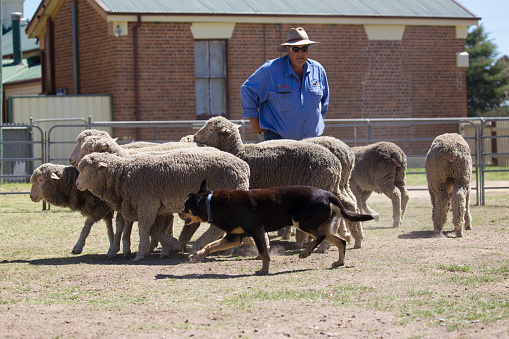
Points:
x=254 y=212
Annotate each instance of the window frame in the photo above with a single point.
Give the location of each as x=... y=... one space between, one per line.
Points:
x=209 y=115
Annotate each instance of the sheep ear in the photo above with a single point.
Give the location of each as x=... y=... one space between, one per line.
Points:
x=102 y=164
x=54 y=176
x=225 y=130
x=115 y=139
x=103 y=147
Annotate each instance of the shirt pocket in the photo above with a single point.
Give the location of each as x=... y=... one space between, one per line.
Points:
x=316 y=96
x=284 y=98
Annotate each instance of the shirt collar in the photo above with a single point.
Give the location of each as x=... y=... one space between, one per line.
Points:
x=289 y=70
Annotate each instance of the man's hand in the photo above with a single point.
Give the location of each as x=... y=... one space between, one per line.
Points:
x=255 y=125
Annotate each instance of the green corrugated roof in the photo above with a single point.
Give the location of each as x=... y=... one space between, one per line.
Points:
x=26 y=43
x=376 y=8
x=21 y=72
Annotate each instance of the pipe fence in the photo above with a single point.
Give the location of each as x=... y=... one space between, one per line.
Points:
x=52 y=140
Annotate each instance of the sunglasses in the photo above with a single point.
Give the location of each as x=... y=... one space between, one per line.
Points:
x=298 y=49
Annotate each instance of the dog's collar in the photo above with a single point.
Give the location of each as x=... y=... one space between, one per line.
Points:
x=209 y=197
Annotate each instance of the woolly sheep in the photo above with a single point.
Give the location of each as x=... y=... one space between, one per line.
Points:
x=56 y=184
x=381 y=168
x=276 y=162
x=448 y=168
x=90 y=141
x=347 y=159
x=148 y=187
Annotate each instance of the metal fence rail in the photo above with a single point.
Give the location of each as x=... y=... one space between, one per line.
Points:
x=485 y=143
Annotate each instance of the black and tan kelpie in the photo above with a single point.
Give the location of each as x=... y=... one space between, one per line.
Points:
x=254 y=212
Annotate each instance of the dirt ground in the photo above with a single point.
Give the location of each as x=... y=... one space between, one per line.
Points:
x=394 y=287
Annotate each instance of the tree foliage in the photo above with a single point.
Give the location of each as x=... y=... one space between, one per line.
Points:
x=487 y=78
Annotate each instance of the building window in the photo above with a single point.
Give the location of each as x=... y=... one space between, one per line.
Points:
x=210 y=78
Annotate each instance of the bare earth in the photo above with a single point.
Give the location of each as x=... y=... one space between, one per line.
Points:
x=385 y=290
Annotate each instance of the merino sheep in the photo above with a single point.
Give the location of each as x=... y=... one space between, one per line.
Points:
x=448 y=168
x=381 y=168
x=277 y=162
x=90 y=141
x=56 y=184
x=148 y=187
x=347 y=158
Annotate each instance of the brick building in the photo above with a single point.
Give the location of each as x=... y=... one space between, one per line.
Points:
x=186 y=60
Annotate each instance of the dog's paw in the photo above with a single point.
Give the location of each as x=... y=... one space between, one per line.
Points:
x=304 y=254
x=194 y=258
x=337 y=264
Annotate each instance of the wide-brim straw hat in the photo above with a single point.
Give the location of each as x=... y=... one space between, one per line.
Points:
x=296 y=37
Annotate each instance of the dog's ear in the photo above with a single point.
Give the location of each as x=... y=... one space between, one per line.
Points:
x=203 y=187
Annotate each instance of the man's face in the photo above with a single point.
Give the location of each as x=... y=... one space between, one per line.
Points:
x=300 y=57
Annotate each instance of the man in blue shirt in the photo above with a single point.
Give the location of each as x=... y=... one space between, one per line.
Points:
x=286 y=98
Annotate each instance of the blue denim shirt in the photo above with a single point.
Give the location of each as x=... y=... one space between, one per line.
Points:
x=275 y=96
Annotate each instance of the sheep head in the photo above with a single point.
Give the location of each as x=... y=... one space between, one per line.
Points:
x=91 y=144
x=39 y=178
x=216 y=130
x=89 y=167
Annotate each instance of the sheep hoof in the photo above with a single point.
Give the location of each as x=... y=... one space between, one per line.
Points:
x=76 y=251
x=337 y=264
x=263 y=271
x=376 y=217
x=358 y=243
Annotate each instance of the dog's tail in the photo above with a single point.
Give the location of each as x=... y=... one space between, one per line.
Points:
x=350 y=215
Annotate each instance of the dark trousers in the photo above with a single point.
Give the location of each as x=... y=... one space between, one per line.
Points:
x=270 y=135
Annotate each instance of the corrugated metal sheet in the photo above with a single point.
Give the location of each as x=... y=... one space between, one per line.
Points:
x=26 y=43
x=47 y=111
x=61 y=106
x=377 y=8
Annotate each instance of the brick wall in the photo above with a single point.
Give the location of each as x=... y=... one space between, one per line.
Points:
x=415 y=77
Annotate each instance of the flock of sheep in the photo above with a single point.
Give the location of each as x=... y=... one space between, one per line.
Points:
x=149 y=182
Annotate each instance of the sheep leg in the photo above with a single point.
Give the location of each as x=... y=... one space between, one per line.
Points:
x=440 y=201
x=301 y=238
x=363 y=205
x=404 y=197
x=85 y=231
x=165 y=225
x=394 y=194
x=458 y=209
x=169 y=243
x=119 y=227
x=126 y=238
x=287 y=233
x=355 y=229
x=468 y=218
x=109 y=227
x=188 y=231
